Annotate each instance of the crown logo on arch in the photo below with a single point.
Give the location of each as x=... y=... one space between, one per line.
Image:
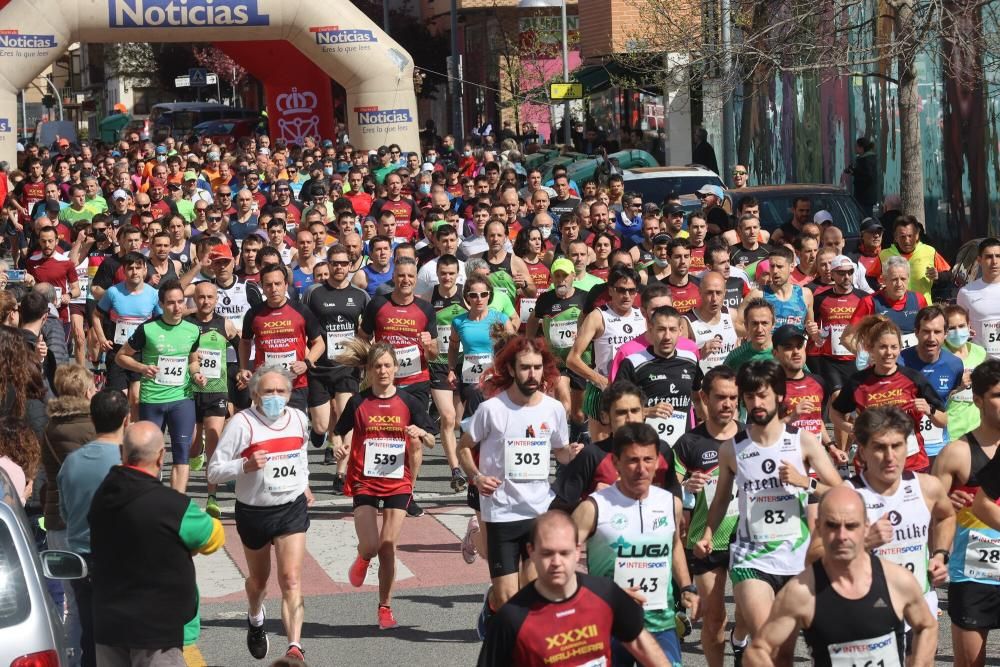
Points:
x=296 y=102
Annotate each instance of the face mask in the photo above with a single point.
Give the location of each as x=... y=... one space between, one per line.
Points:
x=424 y=188
x=432 y=158
x=861 y=359
x=161 y=158
x=467 y=153
x=272 y=406
x=343 y=166
x=958 y=337
x=328 y=171
x=661 y=262
x=546 y=232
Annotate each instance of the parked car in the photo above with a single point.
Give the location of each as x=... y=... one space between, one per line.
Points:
x=178 y=119
x=776 y=205
x=227 y=130
x=31 y=630
x=583 y=170
x=655 y=183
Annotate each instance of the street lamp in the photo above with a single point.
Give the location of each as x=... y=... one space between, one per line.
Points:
x=546 y=4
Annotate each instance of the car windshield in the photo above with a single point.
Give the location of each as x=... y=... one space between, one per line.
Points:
x=15 y=602
x=657 y=188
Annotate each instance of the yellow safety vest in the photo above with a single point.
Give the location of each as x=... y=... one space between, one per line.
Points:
x=920 y=260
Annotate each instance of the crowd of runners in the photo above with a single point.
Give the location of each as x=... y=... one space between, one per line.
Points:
x=663 y=395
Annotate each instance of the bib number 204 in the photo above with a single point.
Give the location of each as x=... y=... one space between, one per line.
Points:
x=284 y=471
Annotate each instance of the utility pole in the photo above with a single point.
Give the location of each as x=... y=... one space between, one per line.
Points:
x=728 y=120
x=567 y=130
x=455 y=79
x=385 y=16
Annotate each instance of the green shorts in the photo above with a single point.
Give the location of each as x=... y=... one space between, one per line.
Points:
x=591 y=401
x=775 y=581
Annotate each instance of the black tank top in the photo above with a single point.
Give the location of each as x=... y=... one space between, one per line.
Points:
x=838 y=620
x=978 y=459
x=501 y=266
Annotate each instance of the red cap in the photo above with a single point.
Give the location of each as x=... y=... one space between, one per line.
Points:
x=220 y=252
x=156 y=182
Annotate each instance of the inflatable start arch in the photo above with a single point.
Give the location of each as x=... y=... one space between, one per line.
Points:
x=376 y=72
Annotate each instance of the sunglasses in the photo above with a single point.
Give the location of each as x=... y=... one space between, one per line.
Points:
x=393 y=152
x=339 y=263
x=625 y=290
x=143 y=205
x=477 y=295
x=215 y=219
x=739 y=173
x=225 y=194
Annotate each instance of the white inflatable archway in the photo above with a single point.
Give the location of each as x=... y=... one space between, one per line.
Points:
x=376 y=72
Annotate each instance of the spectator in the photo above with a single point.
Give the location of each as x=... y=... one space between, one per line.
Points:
x=19 y=454
x=702 y=152
x=22 y=386
x=34 y=313
x=139 y=526
x=865 y=173
x=53 y=331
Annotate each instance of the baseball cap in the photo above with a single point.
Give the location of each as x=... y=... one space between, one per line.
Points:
x=841 y=262
x=712 y=190
x=220 y=252
x=64 y=142
x=211 y=157
x=661 y=239
x=822 y=216
x=327 y=143
x=119 y=194
x=156 y=181
x=871 y=225
x=161 y=150
x=564 y=265
x=173 y=187
x=426 y=166
x=190 y=176
x=787 y=333
x=673 y=209
x=51 y=206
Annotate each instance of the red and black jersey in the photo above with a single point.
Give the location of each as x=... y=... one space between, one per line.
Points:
x=57 y=270
x=833 y=313
x=404 y=209
x=361 y=202
x=579 y=478
x=281 y=335
x=865 y=389
x=377 y=423
x=400 y=326
x=686 y=298
x=31 y=192
x=807 y=388
x=697 y=259
x=532 y=631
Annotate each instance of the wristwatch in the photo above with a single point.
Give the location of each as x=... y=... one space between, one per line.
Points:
x=690 y=588
x=813 y=485
x=944 y=552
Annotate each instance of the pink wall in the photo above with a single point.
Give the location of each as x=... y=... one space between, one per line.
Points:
x=537 y=73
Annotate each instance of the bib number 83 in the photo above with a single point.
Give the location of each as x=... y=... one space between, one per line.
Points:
x=774 y=516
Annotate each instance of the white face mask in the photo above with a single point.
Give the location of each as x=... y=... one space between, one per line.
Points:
x=546 y=232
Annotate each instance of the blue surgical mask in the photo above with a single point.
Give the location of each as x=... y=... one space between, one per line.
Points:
x=958 y=337
x=424 y=188
x=328 y=171
x=861 y=359
x=343 y=166
x=660 y=262
x=272 y=406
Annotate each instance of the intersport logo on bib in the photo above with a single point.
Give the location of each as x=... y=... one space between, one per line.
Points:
x=184 y=13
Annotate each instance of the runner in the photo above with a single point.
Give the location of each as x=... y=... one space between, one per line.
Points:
x=835 y=602
x=974 y=575
x=608 y=327
x=219 y=338
x=508 y=271
x=642 y=253
x=805 y=393
x=894 y=301
x=711 y=323
x=166 y=345
x=515 y=429
x=337 y=306
x=379 y=270
x=633 y=538
x=963 y=415
x=408 y=323
x=697 y=467
x=885 y=382
x=236 y=295
x=280 y=333
x=49 y=265
x=768 y=467
x=793 y=304
x=669 y=381
x=390 y=431
x=943 y=370
x=683 y=287
x=981 y=298
x=265 y=448
x=561 y=603
x=758 y=315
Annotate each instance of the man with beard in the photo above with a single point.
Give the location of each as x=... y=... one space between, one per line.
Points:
x=769 y=467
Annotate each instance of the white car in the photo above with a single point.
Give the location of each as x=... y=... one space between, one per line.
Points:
x=655 y=183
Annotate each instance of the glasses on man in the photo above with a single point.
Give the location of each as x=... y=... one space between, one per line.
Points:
x=625 y=290
x=339 y=263
x=215 y=218
x=739 y=173
x=143 y=205
x=393 y=152
x=225 y=194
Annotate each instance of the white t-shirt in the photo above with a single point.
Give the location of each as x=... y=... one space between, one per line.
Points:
x=982 y=300
x=507 y=433
x=427 y=276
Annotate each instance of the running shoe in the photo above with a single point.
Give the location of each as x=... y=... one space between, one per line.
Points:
x=338 y=484
x=257 y=639
x=328 y=458
x=413 y=509
x=484 y=615
x=358 y=571
x=458 y=480
x=738 y=649
x=468 y=542
x=295 y=652
x=682 y=625
x=212 y=508
x=386 y=621
x=197 y=462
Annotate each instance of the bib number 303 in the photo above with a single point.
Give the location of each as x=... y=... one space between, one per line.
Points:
x=527 y=459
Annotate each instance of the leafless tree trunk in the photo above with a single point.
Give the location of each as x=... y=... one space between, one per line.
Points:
x=911 y=172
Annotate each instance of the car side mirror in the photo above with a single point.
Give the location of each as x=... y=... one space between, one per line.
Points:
x=63 y=565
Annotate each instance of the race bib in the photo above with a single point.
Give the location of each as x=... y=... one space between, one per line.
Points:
x=210 y=364
x=774 y=516
x=384 y=457
x=526 y=459
x=909 y=340
x=284 y=359
x=932 y=434
x=474 y=366
x=283 y=471
x=912 y=446
x=876 y=652
x=562 y=334
x=650 y=575
x=991 y=337
x=335 y=342
x=444 y=338
x=710 y=489
x=836 y=347
x=124 y=328
x=526 y=308
x=172 y=370
x=911 y=555
x=982 y=557
x=965 y=395
x=670 y=429
x=409 y=361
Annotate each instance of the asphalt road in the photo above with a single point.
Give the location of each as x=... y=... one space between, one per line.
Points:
x=437 y=599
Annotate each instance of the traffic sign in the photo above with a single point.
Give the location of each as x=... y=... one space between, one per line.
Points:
x=566 y=91
x=198 y=76
x=185 y=81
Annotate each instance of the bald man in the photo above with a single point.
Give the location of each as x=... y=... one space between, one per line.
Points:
x=848 y=602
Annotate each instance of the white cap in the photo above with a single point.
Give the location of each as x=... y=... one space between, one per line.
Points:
x=822 y=216
x=119 y=194
x=841 y=262
x=427 y=166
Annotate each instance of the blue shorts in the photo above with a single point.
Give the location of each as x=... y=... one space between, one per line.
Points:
x=179 y=419
x=620 y=657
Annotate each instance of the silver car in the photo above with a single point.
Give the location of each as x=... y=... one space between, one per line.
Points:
x=31 y=628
